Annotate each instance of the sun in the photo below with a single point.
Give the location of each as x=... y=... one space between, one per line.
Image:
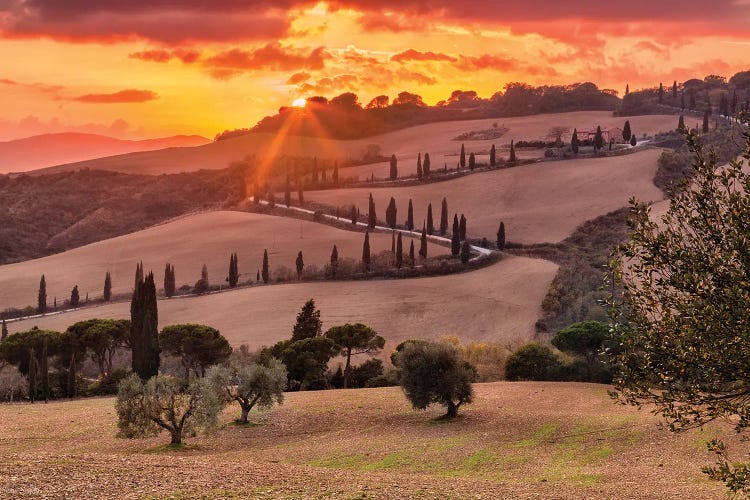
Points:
x=299 y=103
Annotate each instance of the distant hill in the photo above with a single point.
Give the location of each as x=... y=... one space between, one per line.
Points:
x=45 y=150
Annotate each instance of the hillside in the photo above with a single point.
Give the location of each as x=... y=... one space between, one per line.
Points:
x=435 y=138
x=502 y=300
x=46 y=150
x=187 y=243
x=519 y=440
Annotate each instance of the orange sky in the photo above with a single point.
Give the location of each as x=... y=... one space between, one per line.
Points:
x=148 y=68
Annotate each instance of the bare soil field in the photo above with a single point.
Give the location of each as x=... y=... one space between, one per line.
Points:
x=519 y=440
x=188 y=243
x=434 y=138
x=539 y=203
x=499 y=303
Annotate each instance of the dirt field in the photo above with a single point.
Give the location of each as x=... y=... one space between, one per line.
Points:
x=188 y=243
x=519 y=440
x=499 y=303
x=539 y=203
x=434 y=138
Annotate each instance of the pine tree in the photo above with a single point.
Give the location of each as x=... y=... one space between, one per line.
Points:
x=4 y=331
x=412 y=258
x=455 y=236
x=465 y=252
x=444 y=217
x=512 y=152
x=394 y=167
x=44 y=370
x=300 y=263
x=264 y=272
x=493 y=160
x=674 y=90
x=472 y=161
x=423 y=243
x=598 y=139
x=463 y=156
x=371 y=218
x=410 y=217
x=107 y=287
x=144 y=328
x=681 y=124
x=626 y=133
x=501 y=236
x=336 y=173
x=287 y=192
x=661 y=92
x=366 y=252
x=574 y=142
x=334 y=260
x=426 y=165
x=390 y=214
x=462 y=228
x=75 y=298
x=399 y=252
x=42 y=299
x=705 y=122
x=430 y=222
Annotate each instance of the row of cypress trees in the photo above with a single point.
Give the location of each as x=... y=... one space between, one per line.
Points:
x=391 y=216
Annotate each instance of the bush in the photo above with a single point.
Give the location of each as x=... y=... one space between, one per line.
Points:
x=13 y=385
x=201 y=287
x=107 y=385
x=532 y=361
x=362 y=374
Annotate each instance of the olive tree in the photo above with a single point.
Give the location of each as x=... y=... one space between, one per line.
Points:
x=250 y=384
x=682 y=321
x=435 y=373
x=165 y=403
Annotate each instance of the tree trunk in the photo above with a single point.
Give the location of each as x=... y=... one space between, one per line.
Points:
x=245 y=411
x=348 y=368
x=452 y=410
x=176 y=436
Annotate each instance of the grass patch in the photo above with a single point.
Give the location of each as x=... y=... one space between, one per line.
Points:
x=543 y=433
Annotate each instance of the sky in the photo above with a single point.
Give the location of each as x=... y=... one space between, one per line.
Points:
x=148 y=68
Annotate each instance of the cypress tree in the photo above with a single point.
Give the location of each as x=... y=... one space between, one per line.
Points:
x=420 y=174
x=633 y=140
x=512 y=151
x=204 y=274
x=462 y=227
x=455 y=237
x=493 y=160
x=3 y=331
x=681 y=124
x=394 y=167
x=444 y=217
x=33 y=369
x=107 y=287
x=501 y=236
x=674 y=90
x=705 y=122
x=412 y=259
x=234 y=274
x=169 y=281
x=410 y=217
x=264 y=272
x=366 y=252
x=462 y=161
x=426 y=165
x=42 y=298
x=371 y=218
x=598 y=139
x=336 y=173
x=257 y=276
x=271 y=199
x=334 y=260
x=465 y=252
x=144 y=328
x=430 y=222
x=472 y=161
x=44 y=369
x=315 y=171
x=626 y=131
x=354 y=214
x=300 y=263
x=393 y=243
x=627 y=88
x=423 y=242
x=300 y=191
x=390 y=213
x=399 y=252
x=661 y=92
x=574 y=142
x=287 y=192
x=75 y=298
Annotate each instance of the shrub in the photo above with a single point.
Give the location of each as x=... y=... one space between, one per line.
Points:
x=108 y=384
x=532 y=361
x=13 y=385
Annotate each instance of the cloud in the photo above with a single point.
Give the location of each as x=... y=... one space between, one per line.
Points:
x=163 y=56
x=123 y=96
x=488 y=61
x=298 y=78
x=415 y=55
x=272 y=56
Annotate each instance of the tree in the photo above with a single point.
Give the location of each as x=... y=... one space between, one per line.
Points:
x=412 y=258
x=681 y=323
x=354 y=215
x=394 y=167
x=426 y=165
x=420 y=173
x=335 y=175
x=661 y=92
x=399 y=252
x=287 y=192
x=682 y=100
x=352 y=340
x=4 y=331
x=585 y=339
x=16 y=347
x=366 y=252
x=169 y=281
x=472 y=161
x=633 y=140
x=430 y=222
x=308 y=324
x=334 y=261
x=705 y=122
x=493 y=159
x=107 y=287
x=674 y=90
x=44 y=370
x=410 y=216
x=626 y=133
x=532 y=361
x=306 y=361
x=250 y=384
x=371 y=218
x=598 y=138
x=444 y=217
x=463 y=156
x=627 y=89
x=144 y=330
x=512 y=152
x=144 y=409
x=423 y=243
x=455 y=237
x=234 y=274
x=271 y=198
x=75 y=297
x=390 y=213
x=197 y=346
x=462 y=228
x=501 y=236
x=300 y=263
x=465 y=252
x=204 y=274
x=300 y=191
x=435 y=373
x=42 y=300
x=264 y=269
x=315 y=171
x=103 y=338
x=681 y=124
x=33 y=369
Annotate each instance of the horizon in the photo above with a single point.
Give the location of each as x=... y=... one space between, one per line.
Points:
x=143 y=70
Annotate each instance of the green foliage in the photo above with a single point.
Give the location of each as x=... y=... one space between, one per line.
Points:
x=435 y=373
x=598 y=139
x=103 y=338
x=426 y=165
x=16 y=347
x=107 y=385
x=308 y=324
x=423 y=243
x=144 y=409
x=354 y=339
x=493 y=156
x=334 y=261
x=472 y=161
x=197 y=346
x=585 y=339
x=363 y=373
x=532 y=361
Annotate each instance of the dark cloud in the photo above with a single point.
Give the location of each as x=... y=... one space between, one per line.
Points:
x=123 y=96
x=272 y=56
x=415 y=55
